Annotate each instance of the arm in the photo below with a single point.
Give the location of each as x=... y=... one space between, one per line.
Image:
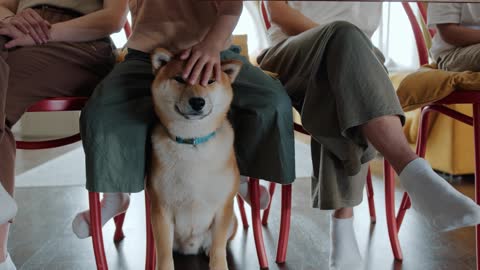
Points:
x=7 y=8
x=290 y=20
x=458 y=35
x=205 y=56
x=93 y=26
x=221 y=31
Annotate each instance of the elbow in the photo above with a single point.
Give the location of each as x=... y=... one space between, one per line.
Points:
x=115 y=23
x=231 y=8
x=116 y=26
x=449 y=34
x=452 y=40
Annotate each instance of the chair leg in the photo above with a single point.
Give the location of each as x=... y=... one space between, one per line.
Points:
x=254 y=188
x=421 y=150
x=404 y=206
x=371 y=200
x=390 y=209
x=96 y=227
x=119 y=235
x=284 y=223
x=150 y=258
x=266 y=212
x=476 y=128
x=241 y=207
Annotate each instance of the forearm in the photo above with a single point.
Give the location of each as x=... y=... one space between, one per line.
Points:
x=222 y=29
x=291 y=21
x=7 y=8
x=93 y=26
x=5 y=13
x=458 y=35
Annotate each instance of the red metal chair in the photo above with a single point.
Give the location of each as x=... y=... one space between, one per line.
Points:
x=63 y=104
x=457 y=97
x=286 y=201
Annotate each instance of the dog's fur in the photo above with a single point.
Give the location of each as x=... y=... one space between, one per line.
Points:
x=192 y=188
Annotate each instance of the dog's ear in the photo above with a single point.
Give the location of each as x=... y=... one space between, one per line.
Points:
x=232 y=68
x=160 y=57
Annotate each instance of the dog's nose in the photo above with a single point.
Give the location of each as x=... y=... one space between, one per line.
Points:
x=197 y=103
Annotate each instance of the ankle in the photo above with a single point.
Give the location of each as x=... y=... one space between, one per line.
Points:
x=401 y=164
x=343 y=213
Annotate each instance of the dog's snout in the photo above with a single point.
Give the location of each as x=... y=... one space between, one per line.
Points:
x=197 y=103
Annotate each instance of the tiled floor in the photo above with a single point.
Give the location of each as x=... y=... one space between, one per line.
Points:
x=41 y=237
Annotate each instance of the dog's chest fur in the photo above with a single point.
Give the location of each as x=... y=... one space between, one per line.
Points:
x=193 y=182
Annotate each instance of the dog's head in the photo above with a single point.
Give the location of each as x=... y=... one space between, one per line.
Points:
x=184 y=108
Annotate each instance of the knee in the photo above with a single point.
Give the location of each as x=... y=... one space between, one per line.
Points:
x=346 y=32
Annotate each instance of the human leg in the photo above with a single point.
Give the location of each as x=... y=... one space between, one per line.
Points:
x=115 y=128
x=27 y=76
x=261 y=115
x=461 y=59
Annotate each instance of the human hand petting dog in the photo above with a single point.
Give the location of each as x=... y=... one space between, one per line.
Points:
x=203 y=62
x=26 y=28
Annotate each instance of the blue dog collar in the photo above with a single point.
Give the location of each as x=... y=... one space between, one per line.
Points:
x=195 y=141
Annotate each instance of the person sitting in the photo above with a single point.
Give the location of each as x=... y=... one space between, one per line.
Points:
x=323 y=55
x=48 y=48
x=456 y=46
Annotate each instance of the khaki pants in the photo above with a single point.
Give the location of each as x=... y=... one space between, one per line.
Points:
x=460 y=59
x=30 y=74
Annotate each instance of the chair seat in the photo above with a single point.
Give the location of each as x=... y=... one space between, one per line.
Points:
x=461 y=97
x=59 y=104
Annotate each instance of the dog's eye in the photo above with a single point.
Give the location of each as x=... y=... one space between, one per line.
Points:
x=211 y=81
x=179 y=79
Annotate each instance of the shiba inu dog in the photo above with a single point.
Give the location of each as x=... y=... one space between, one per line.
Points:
x=193 y=176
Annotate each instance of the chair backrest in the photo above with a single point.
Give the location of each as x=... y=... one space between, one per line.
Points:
x=264 y=13
x=417 y=31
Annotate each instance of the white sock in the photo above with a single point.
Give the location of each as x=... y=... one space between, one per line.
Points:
x=7 y=264
x=243 y=191
x=112 y=205
x=344 y=252
x=442 y=206
x=8 y=206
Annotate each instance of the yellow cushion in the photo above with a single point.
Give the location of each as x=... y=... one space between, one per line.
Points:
x=242 y=42
x=429 y=84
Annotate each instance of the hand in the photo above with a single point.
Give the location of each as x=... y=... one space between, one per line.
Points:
x=18 y=38
x=30 y=22
x=204 y=61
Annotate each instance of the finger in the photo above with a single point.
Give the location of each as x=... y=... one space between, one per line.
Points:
x=185 y=54
x=207 y=73
x=35 y=25
x=190 y=64
x=11 y=44
x=218 y=71
x=42 y=24
x=31 y=31
x=4 y=31
x=20 y=26
x=197 y=71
